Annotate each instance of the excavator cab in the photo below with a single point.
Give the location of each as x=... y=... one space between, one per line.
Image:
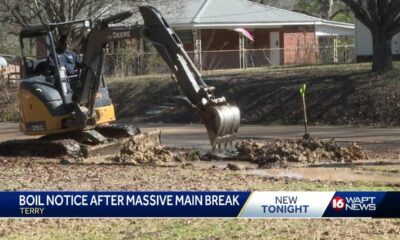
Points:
x=46 y=92
x=34 y=57
x=38 y=46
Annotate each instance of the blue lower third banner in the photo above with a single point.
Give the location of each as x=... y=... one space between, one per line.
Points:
x=223 y=204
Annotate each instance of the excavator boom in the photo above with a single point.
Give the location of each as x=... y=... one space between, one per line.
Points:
x=222 y=119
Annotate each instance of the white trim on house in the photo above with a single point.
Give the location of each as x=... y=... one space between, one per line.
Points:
x=329 y=30
x=347 y=29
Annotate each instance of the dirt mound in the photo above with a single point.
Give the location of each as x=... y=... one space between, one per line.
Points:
x=137 y=154
x=309 y=150
x=142 y=149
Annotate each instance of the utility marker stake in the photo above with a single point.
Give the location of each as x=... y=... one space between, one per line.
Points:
x=303 y=97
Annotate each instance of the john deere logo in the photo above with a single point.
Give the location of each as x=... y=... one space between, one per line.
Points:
x=117 y=35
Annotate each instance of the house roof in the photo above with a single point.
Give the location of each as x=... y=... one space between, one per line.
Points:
x=239 y=11
x=233 y=13
x=192 y=14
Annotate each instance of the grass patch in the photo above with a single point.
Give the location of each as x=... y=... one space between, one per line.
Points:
x=116 y=177
x=336 y=94
x=204 y=229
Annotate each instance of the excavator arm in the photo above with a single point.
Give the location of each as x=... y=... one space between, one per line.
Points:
x=93 y=62
x=221 y=119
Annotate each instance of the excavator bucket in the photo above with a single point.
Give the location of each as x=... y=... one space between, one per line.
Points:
x=222 y=119
x=222 y=123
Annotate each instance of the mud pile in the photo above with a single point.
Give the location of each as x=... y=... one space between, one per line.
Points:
x=144 y=149
x=137 y=154
x=309 y=150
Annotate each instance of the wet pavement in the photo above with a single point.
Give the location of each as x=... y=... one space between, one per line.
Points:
x=383 y=140
x=195 y=136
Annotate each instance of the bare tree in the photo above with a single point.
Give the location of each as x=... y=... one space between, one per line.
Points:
x=22 y=13
x=382 y=18
x=326 y=9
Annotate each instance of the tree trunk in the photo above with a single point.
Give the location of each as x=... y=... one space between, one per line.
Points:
x=382 y=52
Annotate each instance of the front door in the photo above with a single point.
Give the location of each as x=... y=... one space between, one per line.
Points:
x=274 y=45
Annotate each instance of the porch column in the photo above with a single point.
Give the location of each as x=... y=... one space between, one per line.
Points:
x=242 y=52
x=140 y=56
x=335 y=50
x=197 y=48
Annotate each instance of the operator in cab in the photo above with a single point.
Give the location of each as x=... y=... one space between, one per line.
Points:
x=69 y=60
x=66 y=57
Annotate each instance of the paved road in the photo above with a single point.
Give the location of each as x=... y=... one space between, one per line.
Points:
x=194 y=135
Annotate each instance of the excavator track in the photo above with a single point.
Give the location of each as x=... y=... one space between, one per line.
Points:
x=116 y=130
x=41 y=148
x=76 y=144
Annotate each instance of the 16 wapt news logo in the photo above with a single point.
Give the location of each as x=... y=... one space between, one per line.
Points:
x=363 y=203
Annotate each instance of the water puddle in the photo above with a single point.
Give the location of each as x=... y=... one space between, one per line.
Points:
x=223 y=164
x=387 y=174
x=328 y=174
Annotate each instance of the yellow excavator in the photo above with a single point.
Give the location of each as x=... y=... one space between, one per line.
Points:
x=62 y=106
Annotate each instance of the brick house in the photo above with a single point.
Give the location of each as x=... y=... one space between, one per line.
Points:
x=207 y=29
